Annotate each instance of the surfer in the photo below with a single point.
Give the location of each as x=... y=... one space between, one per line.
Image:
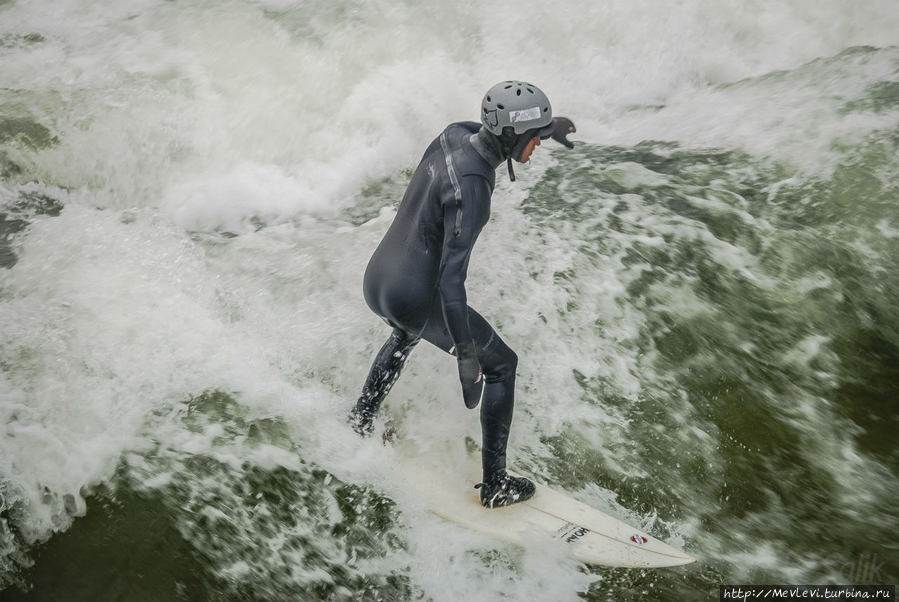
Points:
x=415 y=280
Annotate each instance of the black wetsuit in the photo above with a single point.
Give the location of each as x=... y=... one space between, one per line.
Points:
x=416 y=278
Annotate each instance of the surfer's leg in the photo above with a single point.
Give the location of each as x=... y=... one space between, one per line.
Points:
x=498 y=364
x=383 y=374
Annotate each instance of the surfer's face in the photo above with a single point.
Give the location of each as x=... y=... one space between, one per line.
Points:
x=526 y=153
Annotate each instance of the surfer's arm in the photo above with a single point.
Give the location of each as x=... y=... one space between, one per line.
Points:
x=457 y=246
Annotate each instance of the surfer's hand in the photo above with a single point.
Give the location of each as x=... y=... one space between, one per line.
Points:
x=470 y=375
x=564 y=126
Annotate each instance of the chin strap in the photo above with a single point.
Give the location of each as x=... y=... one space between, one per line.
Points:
x=509 y=165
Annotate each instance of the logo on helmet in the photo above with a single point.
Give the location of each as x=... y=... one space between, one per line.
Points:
x=524 y=115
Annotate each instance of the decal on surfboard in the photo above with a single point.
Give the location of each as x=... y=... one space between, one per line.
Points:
x=638 y=539
x=571 y=532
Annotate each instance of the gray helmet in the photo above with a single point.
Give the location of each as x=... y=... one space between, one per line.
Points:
x=519 y=105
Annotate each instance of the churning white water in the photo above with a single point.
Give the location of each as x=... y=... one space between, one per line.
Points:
x=189 y=194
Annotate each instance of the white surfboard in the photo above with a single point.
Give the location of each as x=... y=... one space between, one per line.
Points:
x=593 y=536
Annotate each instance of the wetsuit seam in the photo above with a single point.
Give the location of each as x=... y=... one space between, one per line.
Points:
x=454 y=180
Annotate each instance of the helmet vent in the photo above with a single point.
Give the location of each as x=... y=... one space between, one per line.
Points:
x=488 y=99
x=507 y=87
x=518 y=92
x=545 y=109
x=531 y=91
x=500 y=107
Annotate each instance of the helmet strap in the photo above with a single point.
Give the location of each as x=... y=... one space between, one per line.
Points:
x=512 y=146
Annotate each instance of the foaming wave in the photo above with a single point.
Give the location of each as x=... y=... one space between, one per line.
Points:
x=146 y=97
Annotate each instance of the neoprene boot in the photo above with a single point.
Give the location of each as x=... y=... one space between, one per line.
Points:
x=502 y=489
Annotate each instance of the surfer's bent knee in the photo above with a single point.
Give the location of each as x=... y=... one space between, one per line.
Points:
x=499 y=364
